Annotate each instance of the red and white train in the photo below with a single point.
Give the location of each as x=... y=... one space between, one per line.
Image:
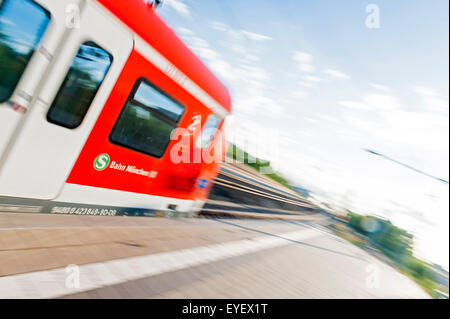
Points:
x=91 y=94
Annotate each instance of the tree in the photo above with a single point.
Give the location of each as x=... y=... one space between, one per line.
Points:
x=395 y=241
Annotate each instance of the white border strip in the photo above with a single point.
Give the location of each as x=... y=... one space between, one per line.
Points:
x=52 y=283
x=81 y=194
x=178 y=76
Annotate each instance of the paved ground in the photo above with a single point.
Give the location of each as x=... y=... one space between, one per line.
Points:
x=187 y=258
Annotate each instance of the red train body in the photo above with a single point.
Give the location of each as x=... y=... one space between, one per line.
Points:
x=108 y=112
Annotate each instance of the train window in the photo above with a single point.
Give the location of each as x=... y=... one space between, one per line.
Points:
x=209 y=130
x=22 y=25
x=147 y=120
x=80 y=86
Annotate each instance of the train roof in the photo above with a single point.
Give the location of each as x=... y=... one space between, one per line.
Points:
x=139 y=17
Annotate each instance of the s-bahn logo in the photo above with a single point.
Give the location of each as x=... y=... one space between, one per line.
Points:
x=101 y=162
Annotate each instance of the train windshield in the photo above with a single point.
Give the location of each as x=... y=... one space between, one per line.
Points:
x=22 y=25
x=210 y=129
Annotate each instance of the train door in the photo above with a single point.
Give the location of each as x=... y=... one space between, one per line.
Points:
x=67 y=105
x=30 y=32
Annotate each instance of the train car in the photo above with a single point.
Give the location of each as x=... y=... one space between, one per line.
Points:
x=104 y=111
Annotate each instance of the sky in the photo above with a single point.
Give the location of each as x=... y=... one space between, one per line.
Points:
x=313 y=83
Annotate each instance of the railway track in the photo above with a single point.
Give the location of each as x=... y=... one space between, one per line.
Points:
x=242 y=191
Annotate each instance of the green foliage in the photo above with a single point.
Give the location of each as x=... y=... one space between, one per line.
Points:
x=12 y=64
x=396 y=243
x=241 y=156
x=355 y=222
x=421 y=272
x=417 y=267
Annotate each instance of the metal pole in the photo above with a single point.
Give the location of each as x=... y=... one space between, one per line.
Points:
x=406 y=165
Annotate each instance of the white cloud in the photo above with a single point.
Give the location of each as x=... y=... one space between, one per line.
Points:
x=219 y=26
x=328 y=118
x=255 y=73
x=310 y=78
x=304 y=61
x=256 y=36
x=360 y=124
x=185 y=32
x=233 y=34
x=425 y=91
x=306 y=84
x=302 y=57
x=391 y=124
x=354 y=105
x=382 y=102
x=259 y=103
x=299 y=94
x=336 y=74
x=308 y=68
x=374 y=102
x=419 y=128
x=380 y=87
x=239 y=34
x=311 y=120
x=433 y=100
x=212 y=58
x=247 y=81
x=309 y=81
x=179 y=6
x=251 y=57
x=222 y=68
